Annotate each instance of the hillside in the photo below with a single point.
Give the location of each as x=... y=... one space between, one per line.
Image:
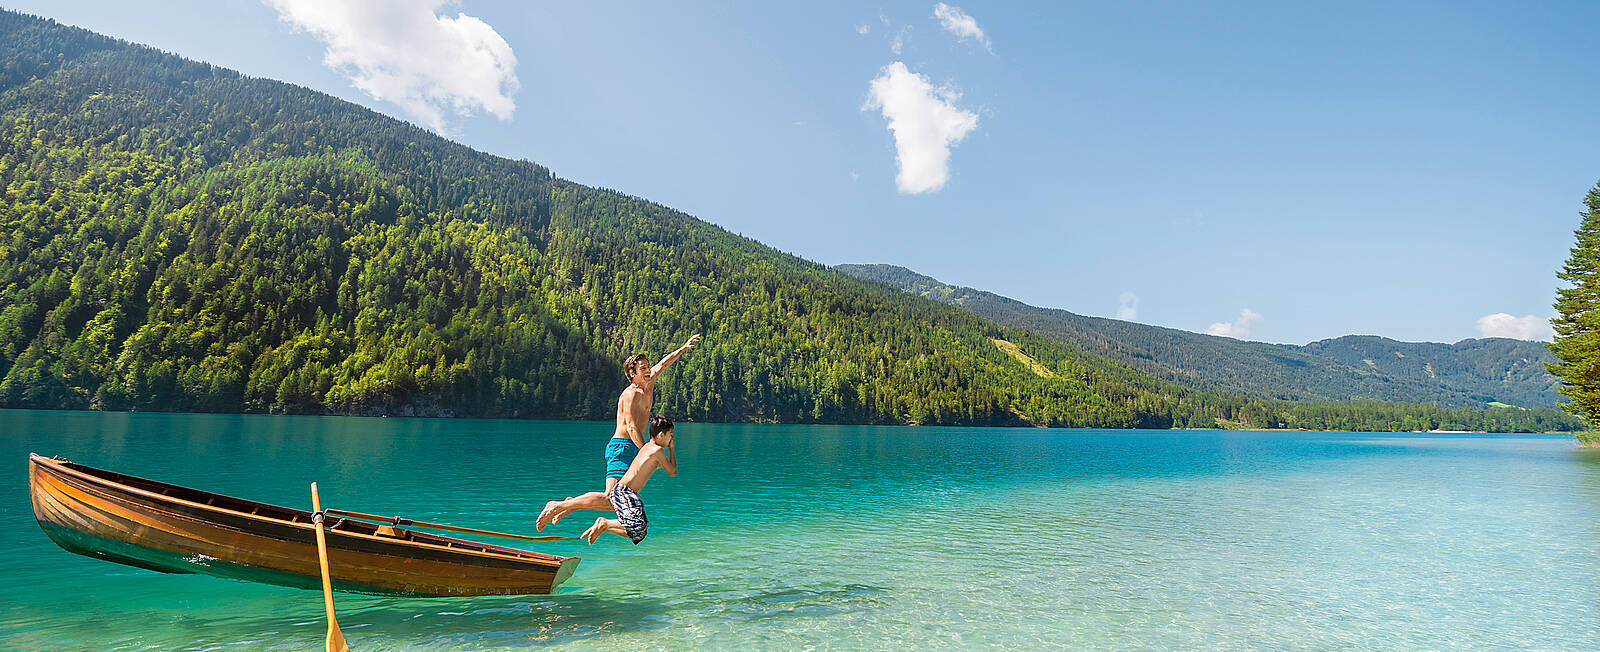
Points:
x=1499 y=369
x=181 y=237
x=176 y=236
x=1467 y=373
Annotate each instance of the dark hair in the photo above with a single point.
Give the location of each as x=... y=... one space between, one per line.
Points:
x=631 y=365
x=659 y=424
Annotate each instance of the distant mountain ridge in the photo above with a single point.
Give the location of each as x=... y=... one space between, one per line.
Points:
x=1469 y=373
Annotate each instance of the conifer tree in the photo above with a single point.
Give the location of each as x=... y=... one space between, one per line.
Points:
x=1577 y=322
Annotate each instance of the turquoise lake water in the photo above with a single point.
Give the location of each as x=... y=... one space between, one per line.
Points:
x=864 y=537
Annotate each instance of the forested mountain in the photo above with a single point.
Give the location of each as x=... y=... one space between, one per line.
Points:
x=180 y=237
x=1493 y=369
x=1467 y=373
x=176 y=236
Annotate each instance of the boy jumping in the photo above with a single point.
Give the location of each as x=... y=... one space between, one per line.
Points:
x=633 y=408
x=631 y=522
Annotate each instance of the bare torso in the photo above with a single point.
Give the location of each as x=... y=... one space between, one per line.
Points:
x=649 y=459
x=633 y=412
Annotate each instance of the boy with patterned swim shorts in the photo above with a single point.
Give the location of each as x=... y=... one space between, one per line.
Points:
x=631 y=522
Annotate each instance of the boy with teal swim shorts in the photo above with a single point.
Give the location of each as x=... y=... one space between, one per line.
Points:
x=633 y=414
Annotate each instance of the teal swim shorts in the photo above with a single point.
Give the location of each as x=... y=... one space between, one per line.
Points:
x=620 y=452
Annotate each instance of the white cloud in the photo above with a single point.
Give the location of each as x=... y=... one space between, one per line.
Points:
x=863 y=29
x=1128 y=306
x=898 y=43
x=926 y=124
x=1530 y=327
x=957 y=22
x=1238 y=328
x=403 y=51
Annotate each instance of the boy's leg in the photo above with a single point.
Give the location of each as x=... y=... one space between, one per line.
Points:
x=601 y=526
x=556 y=510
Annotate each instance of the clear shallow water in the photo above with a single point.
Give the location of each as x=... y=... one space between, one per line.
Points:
x=862 y=537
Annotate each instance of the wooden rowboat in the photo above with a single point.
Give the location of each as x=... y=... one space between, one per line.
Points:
x=174 y=529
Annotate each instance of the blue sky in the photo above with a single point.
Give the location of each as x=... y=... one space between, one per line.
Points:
x=1279 y=171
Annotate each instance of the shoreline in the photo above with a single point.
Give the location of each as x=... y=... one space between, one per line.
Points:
x=1592 y=440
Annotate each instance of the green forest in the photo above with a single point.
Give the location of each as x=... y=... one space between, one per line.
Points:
x=1469 y=373
x=179 y=237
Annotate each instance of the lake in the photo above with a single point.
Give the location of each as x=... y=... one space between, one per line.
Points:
x=864 y=537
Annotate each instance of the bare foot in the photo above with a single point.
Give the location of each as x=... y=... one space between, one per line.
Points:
x=558 y=514
x=594 y=531
x=544 y=516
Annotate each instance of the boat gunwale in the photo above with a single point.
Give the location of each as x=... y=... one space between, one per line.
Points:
x=553 y=562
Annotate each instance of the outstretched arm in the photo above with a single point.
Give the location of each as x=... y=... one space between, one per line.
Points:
x=670 y=358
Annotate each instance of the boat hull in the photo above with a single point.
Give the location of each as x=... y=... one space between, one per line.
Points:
x=173 y=529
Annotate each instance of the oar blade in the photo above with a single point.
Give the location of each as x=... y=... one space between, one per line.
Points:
x=336 y=639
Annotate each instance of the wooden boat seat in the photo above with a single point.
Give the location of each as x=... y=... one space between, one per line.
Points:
x=393 y=532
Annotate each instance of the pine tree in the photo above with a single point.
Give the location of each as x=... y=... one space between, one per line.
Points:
x=1577 y=323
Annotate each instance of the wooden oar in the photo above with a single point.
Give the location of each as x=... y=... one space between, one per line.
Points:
x=397 y=521
x=335 y=637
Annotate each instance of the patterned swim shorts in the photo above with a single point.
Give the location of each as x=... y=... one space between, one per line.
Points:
x=630 y=511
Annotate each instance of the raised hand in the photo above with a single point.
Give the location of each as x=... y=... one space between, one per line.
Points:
x=693 y=340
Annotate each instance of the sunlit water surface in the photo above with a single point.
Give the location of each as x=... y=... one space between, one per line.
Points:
x=862 y=537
